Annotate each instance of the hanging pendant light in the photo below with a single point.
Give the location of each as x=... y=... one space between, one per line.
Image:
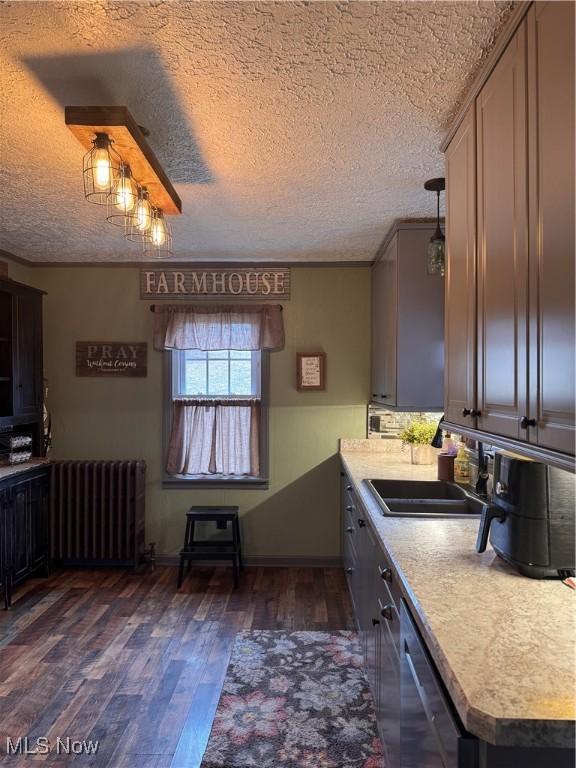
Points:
x=435 y=256
x=101 y=168
x=158 y=239
x=121 y=204
x=138 y=225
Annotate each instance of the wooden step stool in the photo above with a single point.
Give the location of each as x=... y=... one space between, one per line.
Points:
x=223 y=549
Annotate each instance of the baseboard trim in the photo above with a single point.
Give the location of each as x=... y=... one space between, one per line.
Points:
x=265 y=562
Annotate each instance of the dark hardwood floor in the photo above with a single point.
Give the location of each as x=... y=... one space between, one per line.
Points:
x=130 y=662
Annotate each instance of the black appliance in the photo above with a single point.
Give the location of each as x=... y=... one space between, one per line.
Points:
x=431 y=735
x=531 y=518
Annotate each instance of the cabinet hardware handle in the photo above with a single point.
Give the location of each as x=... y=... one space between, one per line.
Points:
x=361 y=523
x=375 y=622
x=350 y=529
x=385 y=610
x=349 y=508
x=466 y=411
x=349 y=571
x=384 y=396
x=385 y=573
x=525 y=422
x=348 y=487
x=474 y=412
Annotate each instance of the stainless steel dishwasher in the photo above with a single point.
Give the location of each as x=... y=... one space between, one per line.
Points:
x=430 y=733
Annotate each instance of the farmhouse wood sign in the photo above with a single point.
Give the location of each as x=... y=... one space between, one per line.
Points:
x=107 y=359
x=259 y=283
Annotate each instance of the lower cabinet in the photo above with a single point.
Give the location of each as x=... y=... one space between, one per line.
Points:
x=24 y=512
x=375 y=598
x=416 y=718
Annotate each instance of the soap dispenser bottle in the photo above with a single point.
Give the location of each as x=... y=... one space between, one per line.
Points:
x=462 y=466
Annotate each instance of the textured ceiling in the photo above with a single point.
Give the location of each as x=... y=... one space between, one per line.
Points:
x=292 y=131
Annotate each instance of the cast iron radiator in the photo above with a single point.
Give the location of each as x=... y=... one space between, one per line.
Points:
x=97 y=512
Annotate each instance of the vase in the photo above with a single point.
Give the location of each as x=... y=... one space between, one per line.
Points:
x=422 y=454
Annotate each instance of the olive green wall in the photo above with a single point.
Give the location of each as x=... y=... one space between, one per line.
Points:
x=21 y=272
x=122 y=418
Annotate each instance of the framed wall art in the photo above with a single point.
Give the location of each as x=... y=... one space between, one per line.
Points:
x=310 y=371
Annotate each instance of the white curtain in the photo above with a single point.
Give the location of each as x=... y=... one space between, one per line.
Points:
x=210 y=327
x=215 y=437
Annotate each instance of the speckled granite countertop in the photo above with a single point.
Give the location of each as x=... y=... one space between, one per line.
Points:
x=505 y=645
x=16 y=469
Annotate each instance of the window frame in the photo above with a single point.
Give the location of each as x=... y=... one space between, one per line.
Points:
x=178 y=375
x=180 y=482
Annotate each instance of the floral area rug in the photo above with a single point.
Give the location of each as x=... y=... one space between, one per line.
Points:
x=295 y=700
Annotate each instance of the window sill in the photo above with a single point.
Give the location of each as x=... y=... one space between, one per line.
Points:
x=202 y=481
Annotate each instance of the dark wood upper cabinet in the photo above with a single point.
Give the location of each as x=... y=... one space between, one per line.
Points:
x=407 y=324
x=384 y=325
x=21 y=368
x=460 y=309
x=502 y=204
x=523 y=329
x=27 y=354
x=551 y=129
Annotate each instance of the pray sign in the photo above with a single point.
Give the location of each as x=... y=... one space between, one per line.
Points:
x=107 y=359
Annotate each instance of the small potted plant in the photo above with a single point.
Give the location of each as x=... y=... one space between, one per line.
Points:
x=418 y=435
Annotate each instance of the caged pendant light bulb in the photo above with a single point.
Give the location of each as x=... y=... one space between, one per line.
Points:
x=122 y=201
x=435 y=256
x=137 y=226
x=158 y=240
x=101 y=168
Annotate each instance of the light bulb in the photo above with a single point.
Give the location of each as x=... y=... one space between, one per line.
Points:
x=158 y=234
x=143 y=214
x=125 y=194
x=102 y=169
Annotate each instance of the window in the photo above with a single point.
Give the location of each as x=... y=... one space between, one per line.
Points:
x=216 y=418
x=221 y=373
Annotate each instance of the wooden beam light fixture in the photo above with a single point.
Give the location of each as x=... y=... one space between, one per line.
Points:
x=122 y=172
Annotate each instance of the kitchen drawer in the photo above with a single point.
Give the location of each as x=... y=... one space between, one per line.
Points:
x=348 y=494
x=350 y=560
x=349 y=526
x=389 y=621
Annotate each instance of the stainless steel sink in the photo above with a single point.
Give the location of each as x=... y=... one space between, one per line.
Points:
x=424 y=498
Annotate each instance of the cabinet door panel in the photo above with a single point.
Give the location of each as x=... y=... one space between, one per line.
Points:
x=20 y=531
x=388 y=705
x=501 y=115
x=39 y=515
x=460 y=304
x=420 y=332
x=366 y=546
x=384 y=325
x=4 y=500
x=551 y=94
x=28 y=355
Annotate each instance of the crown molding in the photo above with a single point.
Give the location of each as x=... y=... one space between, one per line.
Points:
x=400 y=224
x=520 y=10
x=168 y=264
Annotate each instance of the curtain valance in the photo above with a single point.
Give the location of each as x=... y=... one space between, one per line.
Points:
x=212 y=327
